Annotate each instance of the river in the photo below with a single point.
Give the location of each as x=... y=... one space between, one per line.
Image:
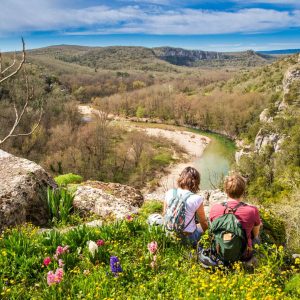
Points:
x=216 y=159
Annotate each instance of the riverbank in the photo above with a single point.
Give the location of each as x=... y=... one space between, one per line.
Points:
x=193 y=144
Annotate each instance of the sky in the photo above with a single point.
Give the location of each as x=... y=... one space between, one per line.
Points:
x=218 y=25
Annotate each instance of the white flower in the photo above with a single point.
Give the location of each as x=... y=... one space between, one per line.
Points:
x=93 y=248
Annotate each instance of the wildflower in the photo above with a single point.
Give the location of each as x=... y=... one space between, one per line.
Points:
x=115 y=266
x=53 y=278
x=152 y=247
x=129 y=218
x=61 y=250
x=61 y=263
x=86 y=272
x=59 y=275
x=100 y=243
x=47 y=261
x=93 y=248
x=50 y=278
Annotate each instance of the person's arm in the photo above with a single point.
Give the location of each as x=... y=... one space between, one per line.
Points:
x=257 y=224
x=165 y=207
x=255 y=231
x=201 y=214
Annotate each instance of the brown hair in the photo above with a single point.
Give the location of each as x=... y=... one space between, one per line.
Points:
x=189 y=179
x=234 y=186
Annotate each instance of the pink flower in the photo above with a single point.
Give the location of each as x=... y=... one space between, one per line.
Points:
x=61 y=263
x=153 y=264
x=100 y=243
x=53 y=278
x=59 y=275
x=61 y=250
x=152 y=247
x=47 y=261
x=50 y=278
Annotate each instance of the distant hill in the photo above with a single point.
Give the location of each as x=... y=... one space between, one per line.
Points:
x=194 y=58
x=154 y=59
x=280 y=52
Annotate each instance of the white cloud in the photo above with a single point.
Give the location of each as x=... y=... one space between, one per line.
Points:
x=42 y=15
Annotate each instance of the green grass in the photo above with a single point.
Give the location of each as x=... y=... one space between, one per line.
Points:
x=176 y=274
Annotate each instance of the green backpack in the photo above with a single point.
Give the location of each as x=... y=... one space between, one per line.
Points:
x=228 y=237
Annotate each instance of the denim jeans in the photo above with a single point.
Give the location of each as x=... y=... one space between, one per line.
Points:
x=193 y=238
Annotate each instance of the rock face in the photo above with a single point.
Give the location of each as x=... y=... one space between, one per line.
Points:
x=271 y=139
x=106 y=199
x=23 y=186
x=212 y=197
x=264 y=116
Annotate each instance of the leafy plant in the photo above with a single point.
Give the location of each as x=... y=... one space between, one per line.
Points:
x=60 y=203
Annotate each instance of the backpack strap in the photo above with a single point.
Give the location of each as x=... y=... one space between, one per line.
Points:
x=233 y=209
x=193 y=217
x=174 y=193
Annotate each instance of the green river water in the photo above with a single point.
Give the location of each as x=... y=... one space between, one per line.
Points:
x=216 y=160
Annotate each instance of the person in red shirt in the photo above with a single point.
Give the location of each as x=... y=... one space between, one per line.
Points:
x=248 y=215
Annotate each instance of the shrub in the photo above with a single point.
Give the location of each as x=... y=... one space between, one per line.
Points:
x=163 y=159
x=273 y=231
x=63 y=180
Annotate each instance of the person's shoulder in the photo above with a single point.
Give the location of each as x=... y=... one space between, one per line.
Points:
x=250 y=207
x=169 y=194
x=196 y=199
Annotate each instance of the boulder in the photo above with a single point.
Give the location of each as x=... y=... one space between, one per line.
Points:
x=23 y=191
x=106 y=199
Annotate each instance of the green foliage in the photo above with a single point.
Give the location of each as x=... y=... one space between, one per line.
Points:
x=60 y=203
x=140 y=112
x=151 y=207
x=65 y=179
x=174 y=273
x=163 y=159
x=293 y=286
x=273 y=231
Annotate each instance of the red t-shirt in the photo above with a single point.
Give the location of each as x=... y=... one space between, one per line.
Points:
x=248 y=215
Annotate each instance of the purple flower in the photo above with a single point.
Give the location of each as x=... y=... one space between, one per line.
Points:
x=115 y=266
x=129 y=218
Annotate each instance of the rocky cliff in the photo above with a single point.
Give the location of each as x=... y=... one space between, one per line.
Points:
x=184 y=57
x=271 y=134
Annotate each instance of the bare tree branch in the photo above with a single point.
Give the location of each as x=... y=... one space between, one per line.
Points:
x=9 y=67
x=29 y=96
x=14 y=62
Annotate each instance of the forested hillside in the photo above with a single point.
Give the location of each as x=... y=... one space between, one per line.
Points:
x=221 y=100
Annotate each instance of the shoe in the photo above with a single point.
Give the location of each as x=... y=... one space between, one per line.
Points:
x=205 y=259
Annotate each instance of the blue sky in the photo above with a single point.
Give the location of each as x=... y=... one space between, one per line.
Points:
x=218 y=25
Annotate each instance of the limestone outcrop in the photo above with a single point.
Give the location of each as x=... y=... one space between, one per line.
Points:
x=105 y=199
x=23 y=191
